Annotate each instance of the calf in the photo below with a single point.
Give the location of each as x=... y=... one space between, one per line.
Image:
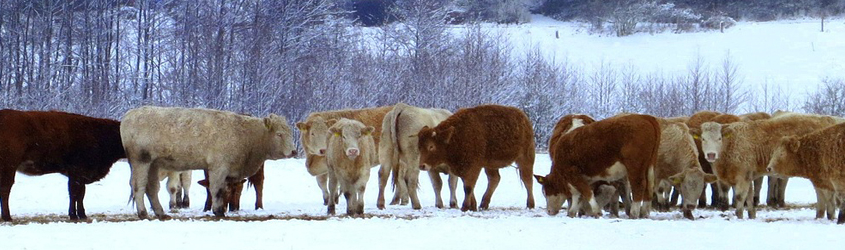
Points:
x=235 y=189
x=314 y=133
x=228 y=145
x=607 y=150
x=399 y=154
x=677 y=166
x=740 y=151
x=694 y=123
x=350 y=154
x=43 y=142
x=486 y=137
x=818 y=156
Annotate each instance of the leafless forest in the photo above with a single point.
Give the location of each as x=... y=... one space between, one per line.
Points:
x=292 y=57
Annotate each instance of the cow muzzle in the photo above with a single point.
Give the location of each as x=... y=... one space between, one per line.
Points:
x=711 y=157
x=425 y=167
x=321 y=152
x=352 y=153
x=292 y=154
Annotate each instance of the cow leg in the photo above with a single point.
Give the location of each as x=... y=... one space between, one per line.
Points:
x=174 y=190
x=841 y=218
x=743 y=194
x=493 y=179
x=437 y=185
x=413 y=177
x=715 y=196
x=821 y=202
x=332 y=179
x=702 y=199
x=257 y=181
x=758 y=187
x=322 y=182
x=638 y=184
x=76 y=192
x=771 y=193
x=185 y=183
x=723 y=189
x=152 y=192
x=383 y=175
x=233 y=194
x=453 y=187
x=526 y=174
x=781 y=193
x=208 y=198
x=401 y=184
x=673 y=200
x=625 y=194
x=138 y=182
x=361 y=187
x=219 y=190
x=7 y=179
x=469 y=184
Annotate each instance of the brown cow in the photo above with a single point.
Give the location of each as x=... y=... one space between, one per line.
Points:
x=43 y=142
x=486 y=137
x=398 y=153
x=313 y=134
x=234 y=189
x=608 y=150
x=740 y=151
x=818 y=156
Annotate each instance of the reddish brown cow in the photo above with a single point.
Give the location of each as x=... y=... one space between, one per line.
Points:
x=486 y=136
x=43 y=142
x=605 y=150
x=235 y=189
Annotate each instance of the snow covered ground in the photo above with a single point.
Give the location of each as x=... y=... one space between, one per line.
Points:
x=298 y=220
x=793 y=54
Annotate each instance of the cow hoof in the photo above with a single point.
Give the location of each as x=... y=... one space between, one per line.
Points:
x=73 y=217
x=164 y=217
x=220 y=213
x=330 y=210
x=143 y=215
x=453 y=204
x=688 y=215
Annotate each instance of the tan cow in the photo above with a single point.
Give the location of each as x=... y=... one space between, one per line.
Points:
x=818 y=156
x=228 y=145
x=314 y=133
x=694 y=123
x=487 y=137
x=178 y=186
x=399 y=154
x=350 y=154
x=677 y=166
x=740 y=151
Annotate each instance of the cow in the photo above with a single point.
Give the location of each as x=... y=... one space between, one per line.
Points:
x=608 y=150
x=755 y=116
x=677 y=166
x=314 y=132
x=178 y=186
x=398 y=154
x=818 y=156
x=486 y=137
x=43 y=142
x=694 y=123
x=235 y=189
x=230 y=146
x=350 y=154
x=740 y=151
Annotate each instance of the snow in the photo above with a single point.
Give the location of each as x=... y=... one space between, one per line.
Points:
x=299 y=221
x=793 y=54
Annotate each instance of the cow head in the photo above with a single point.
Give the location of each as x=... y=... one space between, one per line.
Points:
x=313 y=134
x=282 y=137
x=691 y=182
x=711 y=139
x=785 y=156
x=555 y=191
x=347 y=136
x=432 y=143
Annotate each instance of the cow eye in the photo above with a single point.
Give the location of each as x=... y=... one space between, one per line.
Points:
x=430 y=147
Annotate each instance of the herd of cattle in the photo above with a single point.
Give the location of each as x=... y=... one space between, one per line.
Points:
x=642 y=160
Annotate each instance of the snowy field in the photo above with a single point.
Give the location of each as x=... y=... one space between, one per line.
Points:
x=294 y=218
x=793 y=54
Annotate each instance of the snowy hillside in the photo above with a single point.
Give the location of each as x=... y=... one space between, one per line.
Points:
x=789 y=53
x=298 y=221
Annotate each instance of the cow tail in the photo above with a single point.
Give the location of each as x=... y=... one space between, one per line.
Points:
x=394 y=139
x=657 y=132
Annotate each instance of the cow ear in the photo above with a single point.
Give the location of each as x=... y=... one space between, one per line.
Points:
x=793 y=144
x=331 y=122
x=268 y=122
x=710 y=178
x=368 y=130
x=696 y=133
x=727 y=132
x=447 y=135
x=302 y=126
x=677 y=178
x=203 y=182
x=540 y=179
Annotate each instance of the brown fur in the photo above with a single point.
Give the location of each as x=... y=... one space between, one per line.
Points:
x=725 y=119
x=586 y=154
x=694 y=124
x=755 y=116
x=747 y=148
x=43 y=142
x=818 y=156
x=700 y=117
x=485 y=137
x=313 y=136
x=234 y=189
x=563 y=125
